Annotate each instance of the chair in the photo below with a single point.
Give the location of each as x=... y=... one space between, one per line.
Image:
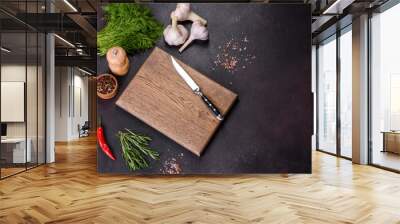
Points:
x=84 y=130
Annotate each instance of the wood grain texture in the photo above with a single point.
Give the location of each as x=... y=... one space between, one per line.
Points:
x=71 y=191
x=158 y=96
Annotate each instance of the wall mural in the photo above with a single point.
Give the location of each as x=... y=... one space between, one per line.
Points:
x=204 y=88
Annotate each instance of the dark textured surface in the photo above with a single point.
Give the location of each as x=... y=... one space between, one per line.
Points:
x=269 y=129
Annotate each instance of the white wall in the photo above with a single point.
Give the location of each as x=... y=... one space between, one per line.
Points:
x=71 y=102
x=80 y=109
x=61 y=104
x=33 y=127
x=13 y=101
x=16 y=73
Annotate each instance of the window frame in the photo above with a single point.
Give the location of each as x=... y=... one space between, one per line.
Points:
x=27 y=29
x=334 y=37
x=380 y=9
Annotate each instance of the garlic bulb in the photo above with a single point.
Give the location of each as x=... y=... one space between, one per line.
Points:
x=183 y=12
x=175 y=34
x=197 y=32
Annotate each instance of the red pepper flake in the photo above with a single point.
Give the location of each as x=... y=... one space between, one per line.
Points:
x=231 y=57
x=105 y=84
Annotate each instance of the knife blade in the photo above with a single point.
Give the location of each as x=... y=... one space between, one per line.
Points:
x=196 y=89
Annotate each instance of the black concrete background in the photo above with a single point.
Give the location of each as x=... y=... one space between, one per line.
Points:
x=269 y=128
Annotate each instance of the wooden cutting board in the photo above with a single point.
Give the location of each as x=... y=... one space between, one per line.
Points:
x=158 y=96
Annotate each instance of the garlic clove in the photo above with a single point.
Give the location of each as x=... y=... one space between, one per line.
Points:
x=183 y=6
x=183 y=12
x=194 y=17
x=190 y=40
x=197 y=32
x=175 y=34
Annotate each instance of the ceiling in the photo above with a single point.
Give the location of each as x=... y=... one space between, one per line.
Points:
x=332 y=15
x=74 y=22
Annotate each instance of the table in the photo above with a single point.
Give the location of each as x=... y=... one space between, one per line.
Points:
x=391 y=141
x=17 y=150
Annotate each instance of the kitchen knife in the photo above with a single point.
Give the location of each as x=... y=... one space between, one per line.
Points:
x=196 y=89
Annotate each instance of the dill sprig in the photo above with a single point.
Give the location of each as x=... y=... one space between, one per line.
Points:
x=130 y=26
x=136 y=149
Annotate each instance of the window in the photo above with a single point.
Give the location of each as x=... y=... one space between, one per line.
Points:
x=22 y=101
x=334 y=106
x=327 y=96
x=394 y=102
x=385 y=89
x=346 y=92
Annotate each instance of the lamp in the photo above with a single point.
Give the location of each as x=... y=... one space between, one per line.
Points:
x=70 y=5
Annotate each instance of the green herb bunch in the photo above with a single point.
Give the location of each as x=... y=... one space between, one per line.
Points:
x=130 y=26
x=136 y=149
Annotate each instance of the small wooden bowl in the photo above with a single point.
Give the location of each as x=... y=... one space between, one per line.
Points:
x=109 y=89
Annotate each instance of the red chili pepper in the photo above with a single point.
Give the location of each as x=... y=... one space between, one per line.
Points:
x=103 y=144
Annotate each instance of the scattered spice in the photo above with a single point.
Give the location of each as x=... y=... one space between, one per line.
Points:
x=171 y=166
x=233 y=55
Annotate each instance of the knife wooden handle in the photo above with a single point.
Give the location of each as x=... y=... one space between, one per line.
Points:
x=210 y=106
